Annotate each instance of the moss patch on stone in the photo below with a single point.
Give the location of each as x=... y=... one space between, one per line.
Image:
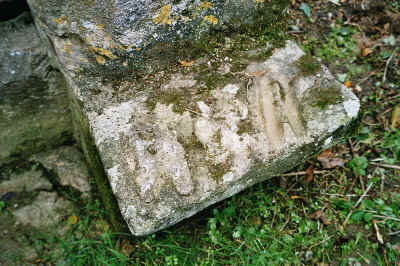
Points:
x=308 y=65
x=322 y=97
x=96 y=168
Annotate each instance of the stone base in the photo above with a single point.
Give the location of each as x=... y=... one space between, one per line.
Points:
x=34 y=107
x=182 y=140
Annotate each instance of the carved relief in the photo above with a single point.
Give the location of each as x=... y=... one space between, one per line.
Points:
x=276 y=104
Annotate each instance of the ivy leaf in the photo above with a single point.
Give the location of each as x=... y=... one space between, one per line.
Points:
x=306 y=9
x=357 y=216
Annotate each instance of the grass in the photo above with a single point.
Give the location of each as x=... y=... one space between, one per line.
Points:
x=336 y=218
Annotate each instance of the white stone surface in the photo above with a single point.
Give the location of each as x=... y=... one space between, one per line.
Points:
x=165 y=165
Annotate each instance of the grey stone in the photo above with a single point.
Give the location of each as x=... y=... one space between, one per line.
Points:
x=34 y=108
x=14 y=253
x=110 y=40
x=26 y=181
x=167 y=160
x=45 y=211
x=69 y=165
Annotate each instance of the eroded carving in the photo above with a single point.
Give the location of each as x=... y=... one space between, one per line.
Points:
x=276 y=105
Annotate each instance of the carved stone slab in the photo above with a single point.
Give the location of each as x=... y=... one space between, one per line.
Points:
x=181 y=144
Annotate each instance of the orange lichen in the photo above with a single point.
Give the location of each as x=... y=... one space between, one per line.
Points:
x=164 y=17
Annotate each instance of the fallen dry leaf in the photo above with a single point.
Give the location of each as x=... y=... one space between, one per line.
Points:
x=126 y=248
x=366 y=51
x=348 y=84
x=186 y=63
x=330 y=160
x=309 y=174
x=396 y=116
x=73 y=219
x=321 y=216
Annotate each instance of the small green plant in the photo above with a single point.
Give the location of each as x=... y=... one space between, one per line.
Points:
x=339 y=44
x=2 y=206
x=359 y=165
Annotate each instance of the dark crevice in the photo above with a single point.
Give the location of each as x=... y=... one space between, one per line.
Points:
x=10 y=9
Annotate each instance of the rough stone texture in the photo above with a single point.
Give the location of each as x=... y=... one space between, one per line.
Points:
x=68 y=164
x=45 y=211
x=108 y=40
x=26 y=181
x=15 y=253
x=183 y=144
x=34 y=111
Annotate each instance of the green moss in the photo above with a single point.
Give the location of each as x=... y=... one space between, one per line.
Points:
x=191 y=143
x=218 y=171
x=308 y=65
x=324 y=97
x=96 y=168
x=244 y=126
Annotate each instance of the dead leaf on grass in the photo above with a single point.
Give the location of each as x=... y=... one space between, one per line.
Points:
x=126 y=248
x=396 y=117
x=366 y=51
x=186 y=63
x=321 y=216
x=309 y=174
x=73 y=219
x=330 y=160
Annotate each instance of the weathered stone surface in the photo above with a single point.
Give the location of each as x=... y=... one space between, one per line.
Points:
x=68 y=164
x=34 y=109
x=196 y=136
x=26 y=181
x=45 y=211
x=108 y=40
x=14 y=253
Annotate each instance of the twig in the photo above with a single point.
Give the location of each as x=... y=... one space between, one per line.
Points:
x=321 y=242
x=335 y=3
x=302 y=173
x=386 y=217
x=378 y=235
x=351 y=146
x=357 y=203
x=385 y=257
x=386 y=165
x=387 y=65
x=394 y=233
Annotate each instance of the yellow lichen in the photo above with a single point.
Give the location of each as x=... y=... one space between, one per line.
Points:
x=100 y=60
x=103 y=51
x=164 y=17
x=120 y=46
x=211 y=19
x=84 y=60
x=67 y=47
x=204 y=5
x=125 y=64
x=260 y=1
x=100 y=26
